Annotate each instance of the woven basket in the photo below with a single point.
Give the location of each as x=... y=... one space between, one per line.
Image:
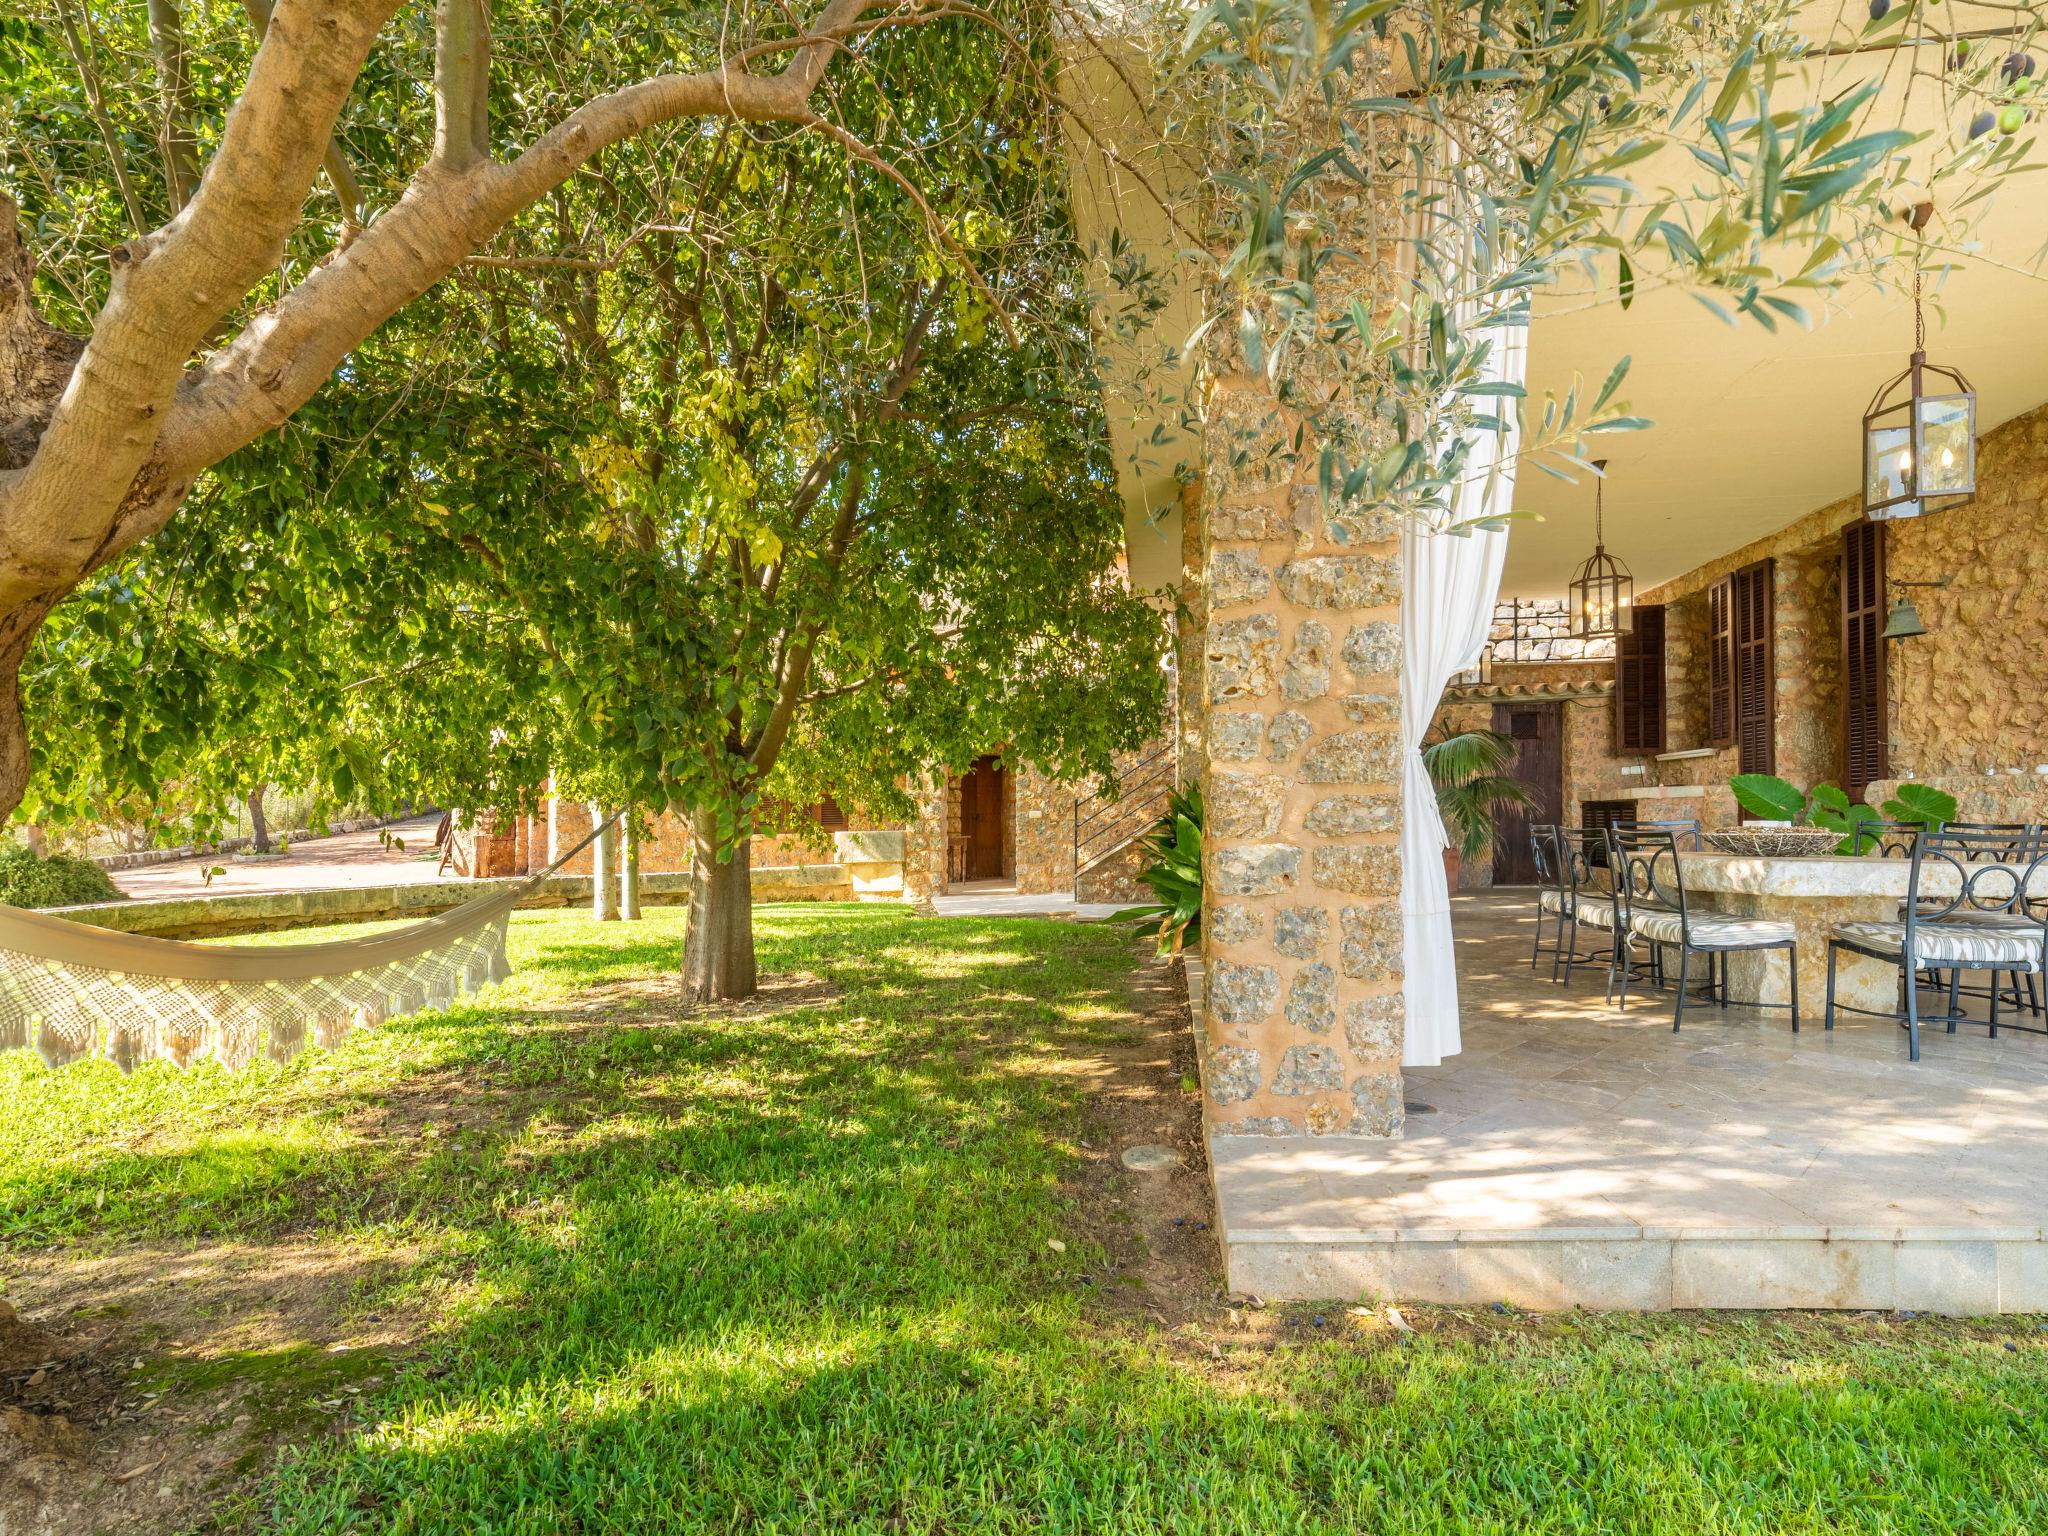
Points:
x=1776 y=842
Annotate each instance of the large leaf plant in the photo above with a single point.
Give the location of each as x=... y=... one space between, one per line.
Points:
x=1173 y=874
x=1771 y=798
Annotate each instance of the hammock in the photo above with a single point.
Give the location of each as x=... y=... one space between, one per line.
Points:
x=69 y=991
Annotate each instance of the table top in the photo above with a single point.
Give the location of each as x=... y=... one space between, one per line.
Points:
x=1830 y=875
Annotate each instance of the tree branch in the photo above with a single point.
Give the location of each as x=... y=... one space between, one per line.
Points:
x=278 y=361
x=174 y=88
x=340 y=174
x=96 y=102
x=462 y=83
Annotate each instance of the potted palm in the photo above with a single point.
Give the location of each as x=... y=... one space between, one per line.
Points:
x=1471 y=772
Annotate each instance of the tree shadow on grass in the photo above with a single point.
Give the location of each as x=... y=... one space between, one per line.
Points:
x=797 y=1271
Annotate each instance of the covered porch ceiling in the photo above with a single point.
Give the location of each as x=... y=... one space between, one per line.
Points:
x=1752 y=429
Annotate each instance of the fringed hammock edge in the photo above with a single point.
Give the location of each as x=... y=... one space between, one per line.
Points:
x=69 y=991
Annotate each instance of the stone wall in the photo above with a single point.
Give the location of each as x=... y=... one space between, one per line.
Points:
x=1965 y=698
x=1539 y=629
x=1301 y=920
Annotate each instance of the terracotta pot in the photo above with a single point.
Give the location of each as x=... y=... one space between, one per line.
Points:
x=1452 y=864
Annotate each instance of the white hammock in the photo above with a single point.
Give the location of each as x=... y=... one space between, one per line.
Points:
x=69 y=991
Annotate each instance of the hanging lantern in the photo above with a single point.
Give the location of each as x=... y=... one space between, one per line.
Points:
x=1919 y=437
x=1602 y=592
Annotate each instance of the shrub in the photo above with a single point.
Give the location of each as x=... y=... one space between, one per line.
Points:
x=1173 y=873
x=56 y=881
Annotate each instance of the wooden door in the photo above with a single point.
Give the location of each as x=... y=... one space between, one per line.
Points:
x=981 y=819
x=1537 y=731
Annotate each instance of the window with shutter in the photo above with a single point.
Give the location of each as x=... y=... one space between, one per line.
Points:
x=1720 y=664
x=1639 y=685
x=1753 y=620
x=1864 y=722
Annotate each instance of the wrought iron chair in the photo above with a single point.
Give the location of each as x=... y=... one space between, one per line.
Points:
x=1997 y=921
x=1651 y=883
x=1553 y=894
x=1685 y=828
x=1591 y=899
x=1988 y=842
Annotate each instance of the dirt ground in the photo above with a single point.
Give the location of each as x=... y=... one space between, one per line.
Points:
x=156 y=1379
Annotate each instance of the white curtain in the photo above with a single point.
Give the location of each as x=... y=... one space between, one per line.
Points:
x=1452 y=583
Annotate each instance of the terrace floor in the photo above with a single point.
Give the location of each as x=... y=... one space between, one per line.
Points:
x=1573 y=1155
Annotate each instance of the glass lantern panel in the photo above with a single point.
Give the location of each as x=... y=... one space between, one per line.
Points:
x=1948 y=445
x=1887 y=463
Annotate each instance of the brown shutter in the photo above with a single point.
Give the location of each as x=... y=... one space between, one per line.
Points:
x=1720 y=665
x=1755 y=673
x=1864 y=720
x=1639 y=685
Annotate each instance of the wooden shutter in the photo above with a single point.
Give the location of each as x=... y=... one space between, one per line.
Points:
x=1721 y=664
x=1639 y=685
x=1753 y=622
x=1865 y=723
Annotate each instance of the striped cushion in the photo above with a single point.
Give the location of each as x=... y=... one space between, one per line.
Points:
x=1951 y=944
x=1709 y=931
x=1963 y=917
x=1596 y=912
x=1553 y=901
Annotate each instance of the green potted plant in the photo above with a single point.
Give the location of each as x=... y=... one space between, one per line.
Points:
x=1814 y=816
x=1471 y=772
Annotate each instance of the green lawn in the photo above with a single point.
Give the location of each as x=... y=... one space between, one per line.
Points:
x=795 y=1272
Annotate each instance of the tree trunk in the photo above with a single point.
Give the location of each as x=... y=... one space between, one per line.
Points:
x=718 y=950
x=601 y=875
x=259 y=829
x=629 y=871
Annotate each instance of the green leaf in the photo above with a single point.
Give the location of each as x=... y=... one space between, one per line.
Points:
x=1767 y=796
x=1921 y=803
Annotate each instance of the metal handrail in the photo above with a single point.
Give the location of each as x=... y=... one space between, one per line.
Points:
x=1103 y=822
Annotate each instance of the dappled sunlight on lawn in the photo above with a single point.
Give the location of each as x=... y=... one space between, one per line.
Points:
x=819 y=1267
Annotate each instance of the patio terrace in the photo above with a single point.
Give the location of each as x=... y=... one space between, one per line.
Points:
x=1572 y=1155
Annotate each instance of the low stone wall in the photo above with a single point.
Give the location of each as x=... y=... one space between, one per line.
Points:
x=207 y=917
x=141 y=858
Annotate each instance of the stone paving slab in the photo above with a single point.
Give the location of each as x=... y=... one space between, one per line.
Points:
x=1576 y=1155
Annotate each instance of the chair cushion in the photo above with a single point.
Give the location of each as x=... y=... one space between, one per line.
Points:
x=1963 y=917
x=1955 y=944
x=1709 y=930
x=1595 y=912
x=1553 y=901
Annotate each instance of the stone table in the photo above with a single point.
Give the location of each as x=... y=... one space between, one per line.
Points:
x=1813 y=895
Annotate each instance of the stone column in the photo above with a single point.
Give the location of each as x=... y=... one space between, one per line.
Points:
x=1190 y=634
x=1301 y=916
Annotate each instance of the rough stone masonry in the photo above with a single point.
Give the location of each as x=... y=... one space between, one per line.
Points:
x=1301 y=683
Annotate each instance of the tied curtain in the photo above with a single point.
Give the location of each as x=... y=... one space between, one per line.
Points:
x=1451 y=582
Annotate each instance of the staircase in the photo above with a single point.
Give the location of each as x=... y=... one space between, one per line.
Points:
x=1104 y=825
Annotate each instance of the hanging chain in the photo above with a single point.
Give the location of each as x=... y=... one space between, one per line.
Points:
x=1919 y=319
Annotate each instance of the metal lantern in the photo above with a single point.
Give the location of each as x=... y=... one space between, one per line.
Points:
x=1602 y=592
x=1919 y=437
